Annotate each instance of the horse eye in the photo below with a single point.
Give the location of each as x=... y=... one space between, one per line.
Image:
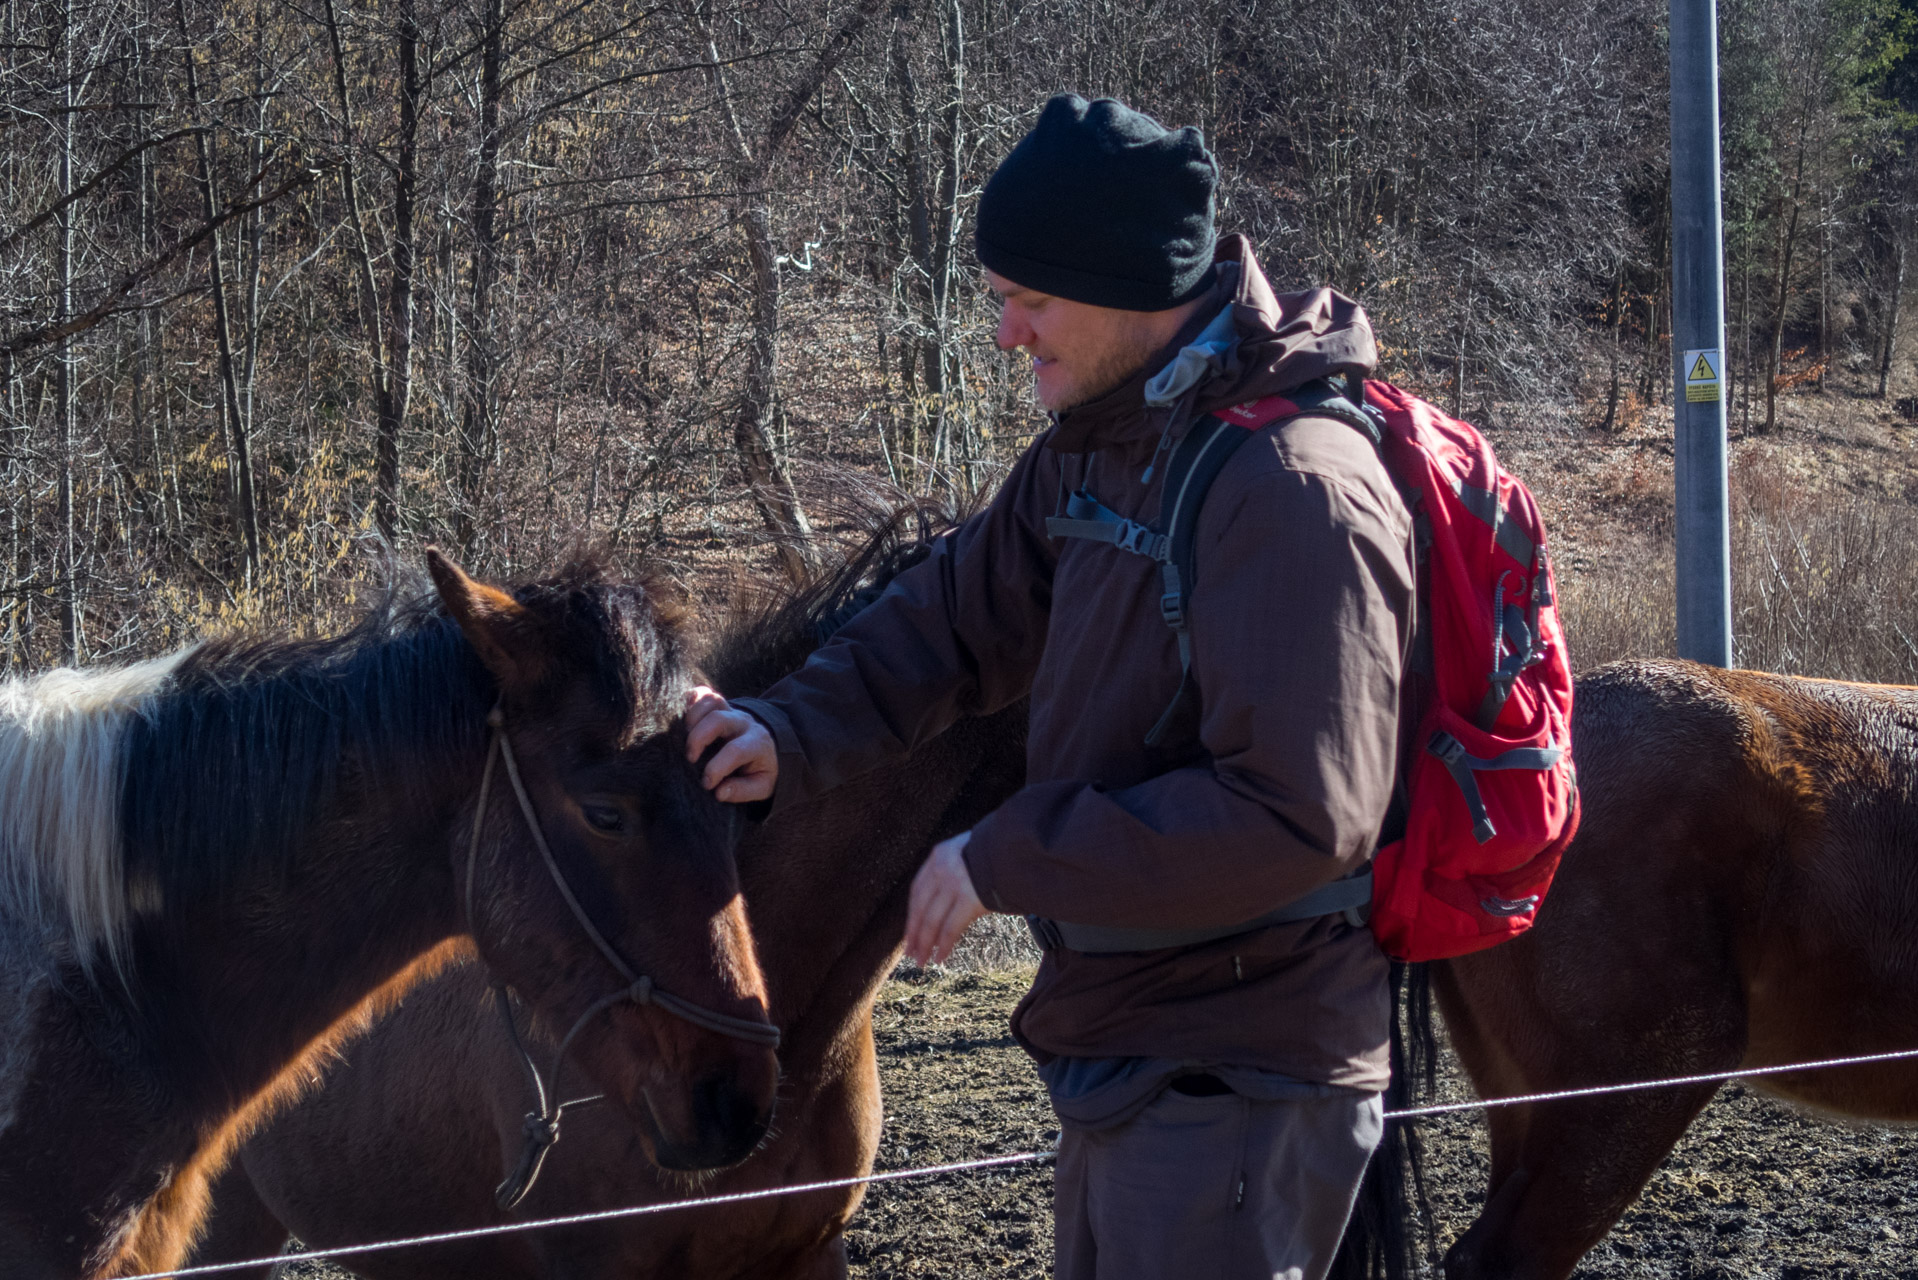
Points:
x=603 y=818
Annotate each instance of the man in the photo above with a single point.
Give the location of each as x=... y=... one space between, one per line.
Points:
x=1218 y=1098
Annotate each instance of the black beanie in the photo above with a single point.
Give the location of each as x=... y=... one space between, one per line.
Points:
x=1102 y=205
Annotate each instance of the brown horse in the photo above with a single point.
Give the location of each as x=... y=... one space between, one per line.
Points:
x=416 y=1120
x=213 y=865
x=1740 y=894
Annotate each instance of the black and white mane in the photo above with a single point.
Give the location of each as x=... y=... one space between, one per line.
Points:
x=146 y=788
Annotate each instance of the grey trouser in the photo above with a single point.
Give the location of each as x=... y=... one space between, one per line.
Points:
x=1212 y=1188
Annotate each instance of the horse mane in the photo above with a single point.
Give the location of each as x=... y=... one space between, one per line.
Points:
x=60 y=770
x=772 y=633
x=228 y=754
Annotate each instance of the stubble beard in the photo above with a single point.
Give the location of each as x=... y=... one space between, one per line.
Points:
x=1115 y=366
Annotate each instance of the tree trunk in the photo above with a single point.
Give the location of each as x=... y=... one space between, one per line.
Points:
x=771 y=484
x=255 y=267
x=388 y=398
x=1653 y=372
x=246 y=517
x=945 y=253
x=1824 y=293
x=925 y=351
x=1618 y=345
x=767 y=476
x=396 y=394
x=1745 y=335
x=1891 y=313
x=68 y=565
x=1787 y=244
x=477 y=425
x=1465 y=322
x=146 y=422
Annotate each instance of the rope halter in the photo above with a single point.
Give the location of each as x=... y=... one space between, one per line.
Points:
x=542 y=1127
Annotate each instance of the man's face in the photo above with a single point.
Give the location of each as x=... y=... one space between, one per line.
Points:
x=1079 y=351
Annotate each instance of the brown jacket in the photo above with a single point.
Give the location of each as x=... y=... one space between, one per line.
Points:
x=1300 y=619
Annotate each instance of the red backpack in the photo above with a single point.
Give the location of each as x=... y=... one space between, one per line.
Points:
x=1489 y=796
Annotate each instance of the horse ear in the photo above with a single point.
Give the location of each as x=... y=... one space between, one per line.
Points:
x=500 y=628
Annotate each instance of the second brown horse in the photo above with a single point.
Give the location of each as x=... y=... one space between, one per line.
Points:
x=1741 y=894
x=417 y=1121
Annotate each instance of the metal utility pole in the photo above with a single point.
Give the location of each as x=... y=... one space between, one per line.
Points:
x=1698 y=340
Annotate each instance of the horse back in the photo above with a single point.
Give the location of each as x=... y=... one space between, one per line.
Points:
x=1740 y=891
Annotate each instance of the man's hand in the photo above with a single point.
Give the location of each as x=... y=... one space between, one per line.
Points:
x=745 y=769
x=943 y=903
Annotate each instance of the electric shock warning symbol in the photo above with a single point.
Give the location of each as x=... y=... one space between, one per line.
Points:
x=1702 y=384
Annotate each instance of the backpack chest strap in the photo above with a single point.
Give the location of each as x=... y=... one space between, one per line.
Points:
x=1087 y=517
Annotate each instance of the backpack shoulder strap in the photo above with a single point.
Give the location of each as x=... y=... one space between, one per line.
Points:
x=1197 y=462
x=1087 y=517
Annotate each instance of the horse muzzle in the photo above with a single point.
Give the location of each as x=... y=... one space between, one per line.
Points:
x=713 y=1122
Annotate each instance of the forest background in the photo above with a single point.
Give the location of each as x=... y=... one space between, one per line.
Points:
x=281 y=282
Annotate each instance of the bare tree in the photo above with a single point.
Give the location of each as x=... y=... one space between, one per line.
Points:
x=272 y=277
x=479 y=399
x=246 y=512
x=767 y=475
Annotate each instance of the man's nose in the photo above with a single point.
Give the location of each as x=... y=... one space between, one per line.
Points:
x=1013 y=331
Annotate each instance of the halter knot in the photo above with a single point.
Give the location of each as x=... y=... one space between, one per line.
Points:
x=496 y=719
x=641 y=992
x=539 y=1131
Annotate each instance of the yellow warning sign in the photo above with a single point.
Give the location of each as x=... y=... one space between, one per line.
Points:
x=1702 y=384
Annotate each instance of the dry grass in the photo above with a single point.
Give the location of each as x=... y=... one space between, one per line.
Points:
x=1822 y=584
x=994 y=945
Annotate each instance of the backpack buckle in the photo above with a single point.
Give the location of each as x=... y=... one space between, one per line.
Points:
x=1045 y=933
x=1140 y=540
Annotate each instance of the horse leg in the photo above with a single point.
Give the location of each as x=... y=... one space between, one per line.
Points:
x=1569 y=1006
x=239 y=1225
x=1577 y=1167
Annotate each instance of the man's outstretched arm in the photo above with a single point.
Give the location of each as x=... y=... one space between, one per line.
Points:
x=943 y=903
x=961 y=632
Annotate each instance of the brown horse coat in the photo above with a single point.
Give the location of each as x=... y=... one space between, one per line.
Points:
x=289 y=826
x=1742 y=893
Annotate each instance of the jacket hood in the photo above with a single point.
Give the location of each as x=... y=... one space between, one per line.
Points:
x=1282 y=341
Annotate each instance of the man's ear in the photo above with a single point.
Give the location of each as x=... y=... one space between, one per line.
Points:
x=500 y=628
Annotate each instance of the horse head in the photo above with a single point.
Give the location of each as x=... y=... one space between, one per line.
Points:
x=599 y=875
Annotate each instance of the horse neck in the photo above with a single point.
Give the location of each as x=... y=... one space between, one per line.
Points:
x=826 y=882
x=265 y=974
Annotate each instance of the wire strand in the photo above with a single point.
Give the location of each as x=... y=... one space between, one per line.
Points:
x=1485 y=1104
x=603 y=1215
x=970 y=1166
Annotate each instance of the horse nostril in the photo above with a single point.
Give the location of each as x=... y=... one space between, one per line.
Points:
x=731 y=1119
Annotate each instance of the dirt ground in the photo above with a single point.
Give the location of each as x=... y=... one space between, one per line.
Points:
x=1756 y=1191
